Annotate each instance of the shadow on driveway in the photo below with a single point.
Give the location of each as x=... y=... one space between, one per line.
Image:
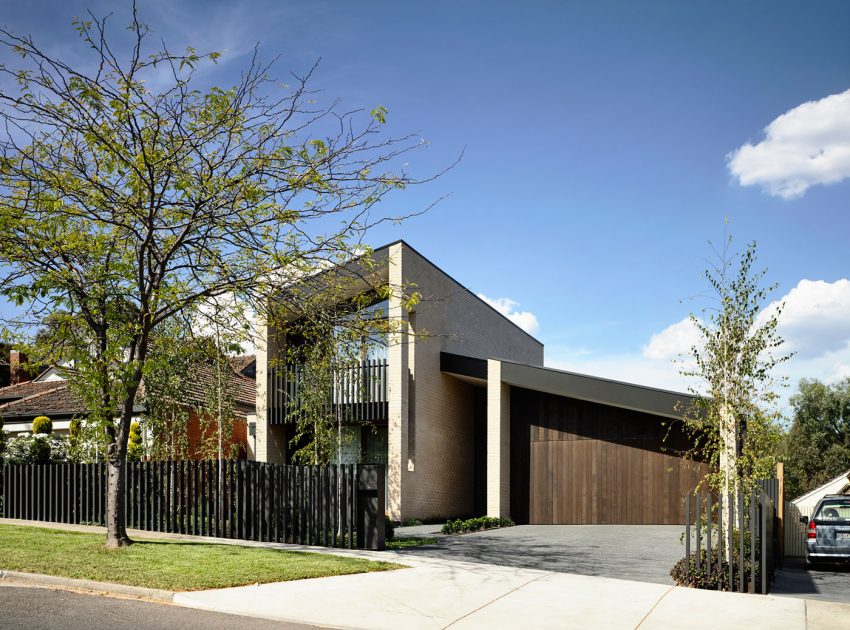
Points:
x=824 y=582
x=630 y=552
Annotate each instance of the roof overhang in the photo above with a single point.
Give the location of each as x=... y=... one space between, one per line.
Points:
x=604 y=391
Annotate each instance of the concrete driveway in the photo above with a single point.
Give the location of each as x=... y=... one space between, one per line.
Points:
x=629 y=552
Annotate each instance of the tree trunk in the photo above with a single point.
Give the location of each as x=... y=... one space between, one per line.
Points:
x=116 y=526
x=116 y=451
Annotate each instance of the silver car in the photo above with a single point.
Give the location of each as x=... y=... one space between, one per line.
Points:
x=828 y=531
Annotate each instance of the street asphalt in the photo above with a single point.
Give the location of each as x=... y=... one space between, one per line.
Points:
x=50 y=609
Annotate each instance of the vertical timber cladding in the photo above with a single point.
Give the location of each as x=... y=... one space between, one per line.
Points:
x=584 y=463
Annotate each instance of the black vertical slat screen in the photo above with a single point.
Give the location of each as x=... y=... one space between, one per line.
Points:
x=314 y=505
x=752 y=513
x=361 y=389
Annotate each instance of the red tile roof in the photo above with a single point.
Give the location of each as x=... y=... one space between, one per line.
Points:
x=55 y=397
x=22 y=390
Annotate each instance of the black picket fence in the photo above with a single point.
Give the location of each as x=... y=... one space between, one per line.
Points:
x=733 y=539
x=330 y=506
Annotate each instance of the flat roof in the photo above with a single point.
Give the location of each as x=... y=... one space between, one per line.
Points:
x=660 y=402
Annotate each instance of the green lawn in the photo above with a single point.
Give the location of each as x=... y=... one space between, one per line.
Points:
x=173 y=566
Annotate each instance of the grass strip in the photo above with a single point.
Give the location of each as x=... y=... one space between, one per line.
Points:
x=166 y=565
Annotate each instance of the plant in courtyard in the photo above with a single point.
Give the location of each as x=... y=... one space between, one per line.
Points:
x=127 y=202
x=42 y=425
x=460 y=526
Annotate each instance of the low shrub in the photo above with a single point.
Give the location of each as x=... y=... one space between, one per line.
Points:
x=389 y=528
x=702 y=579
x=412 y=522
x=42 y=425
x=460 y=526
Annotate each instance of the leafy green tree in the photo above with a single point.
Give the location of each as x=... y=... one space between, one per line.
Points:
x=733 y=423
x=126 y=202
x=817 y=446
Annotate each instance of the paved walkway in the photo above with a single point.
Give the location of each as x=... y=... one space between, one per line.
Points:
x=441 y=594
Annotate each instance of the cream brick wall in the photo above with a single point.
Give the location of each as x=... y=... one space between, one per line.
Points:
x=437 y=467
x=270 y=441
x=498 y=442
x=431 y=451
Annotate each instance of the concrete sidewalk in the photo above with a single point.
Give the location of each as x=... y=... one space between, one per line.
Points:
x=441 y=594
x=438 y=593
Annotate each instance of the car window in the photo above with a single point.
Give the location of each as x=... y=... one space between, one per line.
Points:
x=834 y=509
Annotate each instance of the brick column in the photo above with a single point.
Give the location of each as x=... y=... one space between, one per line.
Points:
x=498 y=442
x=398 y=390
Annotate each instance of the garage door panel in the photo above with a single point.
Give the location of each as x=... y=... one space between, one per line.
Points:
x=575 y=462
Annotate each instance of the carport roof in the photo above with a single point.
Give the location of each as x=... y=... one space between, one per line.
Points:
x=604 y=391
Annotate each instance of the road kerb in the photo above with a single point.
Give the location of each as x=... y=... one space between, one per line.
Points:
x=87 y=586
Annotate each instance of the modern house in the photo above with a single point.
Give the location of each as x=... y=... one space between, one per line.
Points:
x=461 y=409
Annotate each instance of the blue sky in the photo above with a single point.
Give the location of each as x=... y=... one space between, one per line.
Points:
x=598 y=141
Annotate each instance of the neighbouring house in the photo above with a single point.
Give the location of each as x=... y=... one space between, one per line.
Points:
x=806 y=503
x=49 y=394
x=468 y=420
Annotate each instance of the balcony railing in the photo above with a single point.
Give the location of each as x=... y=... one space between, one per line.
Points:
x=359 y=392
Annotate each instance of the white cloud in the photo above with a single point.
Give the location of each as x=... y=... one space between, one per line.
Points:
x=524 y=319
x=815 y=325
x=805 y=146
x=672 y=342
x=816 y=319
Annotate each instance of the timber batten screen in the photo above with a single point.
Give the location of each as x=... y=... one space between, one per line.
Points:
x=579 y=462
x=360 y=390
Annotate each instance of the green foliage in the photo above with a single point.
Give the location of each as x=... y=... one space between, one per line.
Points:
x=389 y=528
x=2 y=439
x=733 y=423
x=135 y=447
x=460 y=526
x=39 y=451
x=694 y=578
x=410 y=541
x=75 y=440
x=128 y=203
x=817 y=446
x=411 y=522
x=36 y=449
x=43 y=425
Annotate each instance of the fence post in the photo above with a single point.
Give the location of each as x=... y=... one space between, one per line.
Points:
x=730 y=546
x=740 y=541
x=370 y=507
x=719 y=541
x=688 y=534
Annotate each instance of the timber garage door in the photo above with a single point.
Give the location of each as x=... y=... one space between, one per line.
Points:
x=577 y=462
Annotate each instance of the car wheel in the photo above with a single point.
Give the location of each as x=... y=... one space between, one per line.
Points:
x=811 y=562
